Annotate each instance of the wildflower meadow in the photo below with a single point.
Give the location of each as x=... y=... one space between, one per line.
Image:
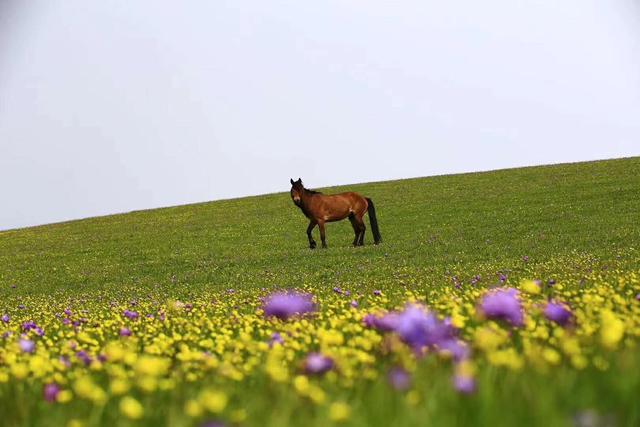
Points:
x=500 y=298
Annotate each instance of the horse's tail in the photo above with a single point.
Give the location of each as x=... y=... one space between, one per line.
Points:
x=374 y=222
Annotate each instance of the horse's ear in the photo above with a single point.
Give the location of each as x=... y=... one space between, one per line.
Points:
x=291 y=179
x=300 y=180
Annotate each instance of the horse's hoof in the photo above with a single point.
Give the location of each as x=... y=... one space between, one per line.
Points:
x=312 y=245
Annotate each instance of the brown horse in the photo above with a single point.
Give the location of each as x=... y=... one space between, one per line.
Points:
x=320 y=208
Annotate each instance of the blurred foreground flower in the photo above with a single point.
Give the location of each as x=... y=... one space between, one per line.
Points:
x=503 y=304
x=131 y=408
x=557 y=312
x=51 y=392
x=399 y=379
x=284 y=305
x=339 y=412
x=27 y=346
x=316 y=363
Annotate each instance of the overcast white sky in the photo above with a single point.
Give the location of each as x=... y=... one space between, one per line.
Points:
x=110 y=106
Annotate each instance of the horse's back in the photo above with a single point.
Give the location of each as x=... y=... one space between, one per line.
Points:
x=335 y=207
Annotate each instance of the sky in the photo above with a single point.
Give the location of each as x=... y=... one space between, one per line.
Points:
x=109 y=107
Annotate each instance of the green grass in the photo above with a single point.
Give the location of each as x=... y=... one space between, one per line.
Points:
x=429 y=226
x=576 y=223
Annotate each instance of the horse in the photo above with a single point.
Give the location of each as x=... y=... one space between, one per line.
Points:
x=320 y=209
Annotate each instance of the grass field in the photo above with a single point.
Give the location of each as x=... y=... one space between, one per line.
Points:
x=155 y=317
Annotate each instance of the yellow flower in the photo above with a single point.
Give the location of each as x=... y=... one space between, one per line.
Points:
x=152 y=366
x=339 y=412
x=131 y=408
x=19 y=370
x=612 y=329
x=64 y=396
x=192 y=408
x=530 y=287
x=488 y=338
x=551 y=356
x=86 y=389
x=317 y=395
x=301 y=384
x=214 y=401
x=119 y=386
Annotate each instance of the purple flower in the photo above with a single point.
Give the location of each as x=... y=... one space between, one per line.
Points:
x=377 y=293
x=464 y=384
x=27 y=346
x=51 y=392
x=503 y=304
x=354 y=304
x=418 y=328
x=283 y=305
x=27 y=326
x=82 y=355
x=525 y=258
x=502 y=277
x=5 y=318
x=458 y=349
x=316 y=363
x=557 y=312
x=67 y=312
x=551 y=282
x=456 y=282
x=276 y=338
x=638 y=297
x=369 y=320
x=65 y=361
x=125 y=332
x=399 y=379
x=386 y=323
x=21 y=306
x=337 y=290
x=475 y=279
x=132 y=315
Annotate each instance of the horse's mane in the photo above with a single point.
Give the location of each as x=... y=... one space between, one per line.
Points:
x=312 y=191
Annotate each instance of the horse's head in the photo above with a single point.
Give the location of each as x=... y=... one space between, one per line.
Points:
x=296 y=191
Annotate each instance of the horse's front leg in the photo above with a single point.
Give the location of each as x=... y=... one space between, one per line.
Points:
x=322 y=237
x=312 y=243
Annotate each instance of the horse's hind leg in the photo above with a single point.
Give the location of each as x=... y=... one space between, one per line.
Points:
x=356 y=229
x=362 y=228
x=322 y=236
x=312 y=243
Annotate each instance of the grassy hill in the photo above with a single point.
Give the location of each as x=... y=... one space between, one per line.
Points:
x=447 y=241
x=455 y=223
